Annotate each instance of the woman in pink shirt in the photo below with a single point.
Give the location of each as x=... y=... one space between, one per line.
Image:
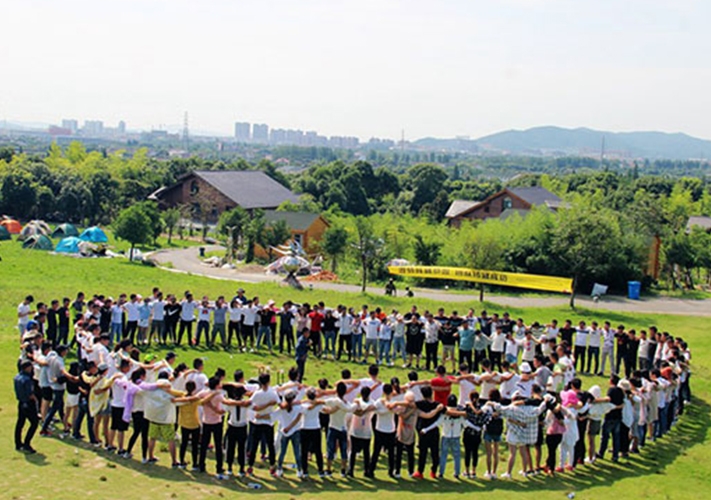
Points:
x=212 y=424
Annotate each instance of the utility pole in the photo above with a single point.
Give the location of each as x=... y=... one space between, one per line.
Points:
x=186 y=133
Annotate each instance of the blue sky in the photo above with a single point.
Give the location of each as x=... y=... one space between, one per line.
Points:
x=364 y=68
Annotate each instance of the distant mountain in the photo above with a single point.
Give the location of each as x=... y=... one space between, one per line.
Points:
x=585 y=141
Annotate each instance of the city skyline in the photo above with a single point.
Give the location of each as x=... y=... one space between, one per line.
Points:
x=365 y=68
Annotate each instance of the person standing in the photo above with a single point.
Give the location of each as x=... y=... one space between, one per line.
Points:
x=219 y=321
x=594 y=341
x=384 y=431
x=262 y=422
x=581 y=345
x=132 y=316
x=432 y=329
x=187 y=317
x=172 y=317
x=212 y=425
x=608 y=348
x=57 y=375
x=613 y=419
x=302 y=352
x=26 y=408
x=428 y=414
x=24 y=312
x=286 y=327
x=158 y=320
x=413 y=337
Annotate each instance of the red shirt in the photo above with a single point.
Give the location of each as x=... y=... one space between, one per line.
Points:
x=441 y=389
x=316 y=321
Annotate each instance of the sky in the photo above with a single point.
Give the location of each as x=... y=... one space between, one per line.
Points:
x=367 y=68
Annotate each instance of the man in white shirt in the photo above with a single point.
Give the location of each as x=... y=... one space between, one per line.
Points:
x=384 y=432
x=338 y=409
x=158 y=321
x=262 y=422
x=581 y=345
x=594 y=343
x=132 y=316
x=371 y=327
x=608 y=348
x=361 y=430
x=345 y=329
x=23 y=314
x=432 y=328
x=498 y=343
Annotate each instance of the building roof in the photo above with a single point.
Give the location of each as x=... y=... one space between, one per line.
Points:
x=459 y=206
x=534 y=195
x=523 y=212
x=297 y=221
x=248 y=188
x=700 y=221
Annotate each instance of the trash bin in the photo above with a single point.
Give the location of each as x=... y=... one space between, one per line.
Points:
x=633 y=289
x=202 y=253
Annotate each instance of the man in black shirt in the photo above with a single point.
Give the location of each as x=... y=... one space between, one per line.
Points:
x=26 y=407
x=63 y=321
x=507 y=324
x=613 y=419
x=52 y=322
x=413 y=337
x=566 y=333
x=428 y=413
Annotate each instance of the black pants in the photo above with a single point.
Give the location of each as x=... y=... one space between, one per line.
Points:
x=311 y=443
x=357 y=445
x=472 y=441
x=466 y=357
x=140 y=428
x=234 y=328
x=580 y=351
x=552 y=442
x=185 y=326
x=236 y=439
x=431 y=355
x=410 y=450
x=26 y=412
x=624 y=439
x=56 y=408
x=580 y=444
x=208 y=431
x=63 y=336
x=479 y=356
x=593 y=354
x=384 y=441
x=496 y=360
x=248 y=334
x=171 y=326
x=192 y=435
x=262 y=433
x=130 y=332
x=288 y=336
x=344 y=345
x=429 y=443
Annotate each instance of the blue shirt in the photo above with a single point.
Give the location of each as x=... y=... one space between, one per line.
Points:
x=24 y=388
x=144 y=311
x=466 y=339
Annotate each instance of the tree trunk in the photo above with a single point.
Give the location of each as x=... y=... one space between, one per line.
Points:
x=481 y=292
x=333 y=264
x=130 y=253
x=572 y=293
x=365 y=275
x=170 y=235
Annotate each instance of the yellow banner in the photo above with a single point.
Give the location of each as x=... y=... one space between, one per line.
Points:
x=530 y=281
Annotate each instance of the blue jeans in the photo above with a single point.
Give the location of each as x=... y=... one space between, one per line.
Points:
x=384 y=350
x=202 y=326
x=82 y=412
x=264 y=332
x=336 y=438
x=357 y=346
x=57 y=407
x=399 y=347
x=660 y=426
x=116 y=332
x=611 y=427
x=295 y=440
x=329 y=339
x=450 y=444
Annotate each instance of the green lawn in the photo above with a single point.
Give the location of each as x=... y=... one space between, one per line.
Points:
x=679 y=466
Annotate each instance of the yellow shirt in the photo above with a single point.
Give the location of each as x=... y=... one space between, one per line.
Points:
x=188 y=416
x=99 y=401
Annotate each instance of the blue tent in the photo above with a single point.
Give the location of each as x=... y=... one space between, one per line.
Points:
x=94 y=234
x=68 y=245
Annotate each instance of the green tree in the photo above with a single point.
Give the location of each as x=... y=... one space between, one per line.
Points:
x=426 y=180
x=333 y=244
x=427 y=253
x=134 y=226
x=254 y=233
x=232 y=225
x=274 y=234
x=19 y=194
x=171 y=217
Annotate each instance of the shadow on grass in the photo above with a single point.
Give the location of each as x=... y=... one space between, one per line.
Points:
x=655 y=457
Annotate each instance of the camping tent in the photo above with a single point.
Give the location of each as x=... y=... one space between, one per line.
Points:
x=11 y=225
x=33 y=228
x=68 y=245
x=38 y=242
x=65 y=230
x=94 y=234
x=4 y=233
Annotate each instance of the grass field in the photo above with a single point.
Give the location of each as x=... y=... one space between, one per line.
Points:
x=679 y=466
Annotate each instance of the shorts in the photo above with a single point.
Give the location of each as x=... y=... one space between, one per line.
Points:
x=161 y=432
x=105 y=412
x=117 y=422
x=448 y=350
x=511 y=359
x=72 y=400
x=413 y=344
x=594 y=427
x=492 y=438
x=47 y=394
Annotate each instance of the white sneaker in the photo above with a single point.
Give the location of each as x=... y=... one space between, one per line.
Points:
x=279 y=473
x=487 y=475
x=505 y=475
x=299 y=474
x=220 y=477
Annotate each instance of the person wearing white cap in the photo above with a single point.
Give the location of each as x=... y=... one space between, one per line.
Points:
x=526 y=381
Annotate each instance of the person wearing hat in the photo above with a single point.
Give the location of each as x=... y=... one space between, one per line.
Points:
x=240 y=297
x=26 y=407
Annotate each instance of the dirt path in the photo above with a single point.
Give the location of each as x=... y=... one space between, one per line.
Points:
x=187 y=261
